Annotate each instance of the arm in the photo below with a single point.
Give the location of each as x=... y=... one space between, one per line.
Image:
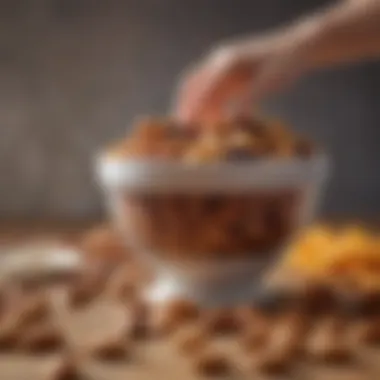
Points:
x=250 y=69
x=347 y=32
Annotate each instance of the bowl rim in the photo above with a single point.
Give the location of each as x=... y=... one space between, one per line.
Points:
x=159 y=175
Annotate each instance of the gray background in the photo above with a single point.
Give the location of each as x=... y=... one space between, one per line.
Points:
x=74 y=73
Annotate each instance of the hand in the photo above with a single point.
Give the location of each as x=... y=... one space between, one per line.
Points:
x=233 y=77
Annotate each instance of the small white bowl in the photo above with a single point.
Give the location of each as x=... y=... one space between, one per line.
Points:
x=206 y=278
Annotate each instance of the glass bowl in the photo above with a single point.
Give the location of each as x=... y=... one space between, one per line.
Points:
x=210 y=231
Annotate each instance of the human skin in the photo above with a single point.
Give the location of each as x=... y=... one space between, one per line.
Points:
x=238 y=74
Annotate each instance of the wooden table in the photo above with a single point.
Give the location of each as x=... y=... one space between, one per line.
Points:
x=153 y=359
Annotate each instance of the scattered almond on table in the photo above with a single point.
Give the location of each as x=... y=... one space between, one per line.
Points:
x=212 y=363
x=191 y=338
x=328 y=342
x=43 y=338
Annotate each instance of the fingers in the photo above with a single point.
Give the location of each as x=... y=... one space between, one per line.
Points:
x=278 y=73
x=186 y=95
x=224 y=94
x=206 y=93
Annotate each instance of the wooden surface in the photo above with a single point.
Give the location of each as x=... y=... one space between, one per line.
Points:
x=151 y=359
x=158 y=359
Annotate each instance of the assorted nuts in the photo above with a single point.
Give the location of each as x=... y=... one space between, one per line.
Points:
x=233 y=140
x=210 y=226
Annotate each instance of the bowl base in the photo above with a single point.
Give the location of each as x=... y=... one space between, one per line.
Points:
x=225 y=291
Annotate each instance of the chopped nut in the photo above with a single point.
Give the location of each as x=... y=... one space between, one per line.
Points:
x=41 y=338
x=327 y=342
x=191 y=339
x=212 y=364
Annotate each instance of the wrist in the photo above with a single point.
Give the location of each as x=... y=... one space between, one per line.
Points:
x=308 y=37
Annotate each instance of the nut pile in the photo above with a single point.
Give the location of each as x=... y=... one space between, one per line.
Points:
x=210 y=226
x=239 y=139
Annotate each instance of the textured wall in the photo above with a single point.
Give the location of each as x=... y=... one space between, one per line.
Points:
x=73 y=73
